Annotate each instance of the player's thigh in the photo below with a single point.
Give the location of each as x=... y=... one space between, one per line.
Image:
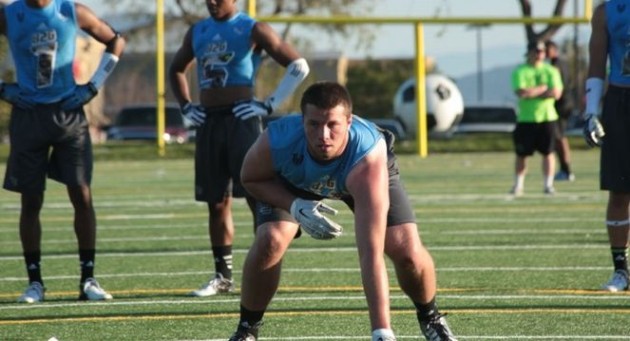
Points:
x=212 y=177
x=275 y=227
x=402 y=241
x=242 y=136
x=615 y=153
x=71 y=160
x=546 y=137
x=524 y=139
x=28 y=157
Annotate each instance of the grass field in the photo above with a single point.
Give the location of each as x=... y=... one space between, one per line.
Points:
x=508 y=269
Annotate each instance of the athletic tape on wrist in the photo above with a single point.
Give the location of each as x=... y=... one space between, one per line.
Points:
x=294 y=75
x=105 y=68
x=594 y=91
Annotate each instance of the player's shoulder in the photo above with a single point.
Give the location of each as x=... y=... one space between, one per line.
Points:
x=285 y=130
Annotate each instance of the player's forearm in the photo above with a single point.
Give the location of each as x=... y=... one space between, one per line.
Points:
x=370 y=225
x=179 y=86
x=271 y=192
x=534 y=92
x=376 y=288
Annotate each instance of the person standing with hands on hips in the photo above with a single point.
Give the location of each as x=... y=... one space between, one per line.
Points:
x=328 y=152
x=227 y=48
x=611 y=131
x=49 y=131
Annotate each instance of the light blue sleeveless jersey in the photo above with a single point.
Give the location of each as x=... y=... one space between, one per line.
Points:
x=292 y=161
x=224 y=52
x=42 y=44
x=618 y=24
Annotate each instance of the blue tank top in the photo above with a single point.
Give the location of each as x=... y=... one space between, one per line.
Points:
x=292 y=161
x=618 y=24
x=224 y=52
x=42 y=42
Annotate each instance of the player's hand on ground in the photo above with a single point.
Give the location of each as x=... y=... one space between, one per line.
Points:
x=12 y=93
x=383 y=335
x=253 y=108
x=194 y=114
x=81 y=96
x=593 y=130
x=310 y=215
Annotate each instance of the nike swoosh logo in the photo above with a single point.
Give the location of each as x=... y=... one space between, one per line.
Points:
x=302 y=213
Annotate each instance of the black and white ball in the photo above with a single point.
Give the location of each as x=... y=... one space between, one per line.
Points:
x=445 y=104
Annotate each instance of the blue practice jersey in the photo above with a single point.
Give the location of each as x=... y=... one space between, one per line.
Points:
x=224 y=52
x=293 y=162
x=618 y=25
x=42 y=42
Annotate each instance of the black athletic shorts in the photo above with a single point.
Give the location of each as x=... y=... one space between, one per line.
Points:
x=220 y=147
x=615 y=155
x=400 y=210
x=531 y=137
x=48 y=141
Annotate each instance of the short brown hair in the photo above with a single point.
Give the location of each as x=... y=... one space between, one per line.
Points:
x=326 y=95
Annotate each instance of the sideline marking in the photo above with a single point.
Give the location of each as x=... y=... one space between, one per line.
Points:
x=329 y=249
x=289 y=290
x=310 y=313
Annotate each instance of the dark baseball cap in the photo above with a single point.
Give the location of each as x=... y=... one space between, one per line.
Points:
x=535 y=46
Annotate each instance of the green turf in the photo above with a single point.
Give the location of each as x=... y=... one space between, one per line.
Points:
x=508 y=269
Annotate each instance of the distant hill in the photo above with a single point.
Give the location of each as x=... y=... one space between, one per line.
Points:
x=497 y=86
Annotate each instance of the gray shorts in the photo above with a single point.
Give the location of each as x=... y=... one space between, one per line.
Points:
x=220 y=147
x=46 y=141
x=615 y=155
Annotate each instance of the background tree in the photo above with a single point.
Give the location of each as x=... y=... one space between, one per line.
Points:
x=548 y=31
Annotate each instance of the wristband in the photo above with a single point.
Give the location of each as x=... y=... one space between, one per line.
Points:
x=105 y=68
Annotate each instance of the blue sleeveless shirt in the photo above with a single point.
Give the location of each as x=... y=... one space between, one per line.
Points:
x=42 y=42
x=618 y=25
x=224 y=52
x=292 y=161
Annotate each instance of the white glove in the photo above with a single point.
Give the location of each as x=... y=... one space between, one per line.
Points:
x=593 y=130
x=383 y=335
x=249 y=109
x=309 y=214
x=194 y=113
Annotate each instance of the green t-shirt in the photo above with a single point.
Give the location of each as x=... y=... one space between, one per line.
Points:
x=536 y=109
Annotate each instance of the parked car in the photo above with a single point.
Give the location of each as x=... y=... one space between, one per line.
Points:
x=393 y=125
x=487 y=118
x=139 y=122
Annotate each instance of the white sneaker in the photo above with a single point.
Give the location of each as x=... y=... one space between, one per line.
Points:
x=618 y=282
x=34 y=293
x=217 y=285
x=516 y=191
x=549 y=190
x=92 y=291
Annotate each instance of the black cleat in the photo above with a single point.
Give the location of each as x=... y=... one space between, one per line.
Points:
x=245 y=332
x=436 y=329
